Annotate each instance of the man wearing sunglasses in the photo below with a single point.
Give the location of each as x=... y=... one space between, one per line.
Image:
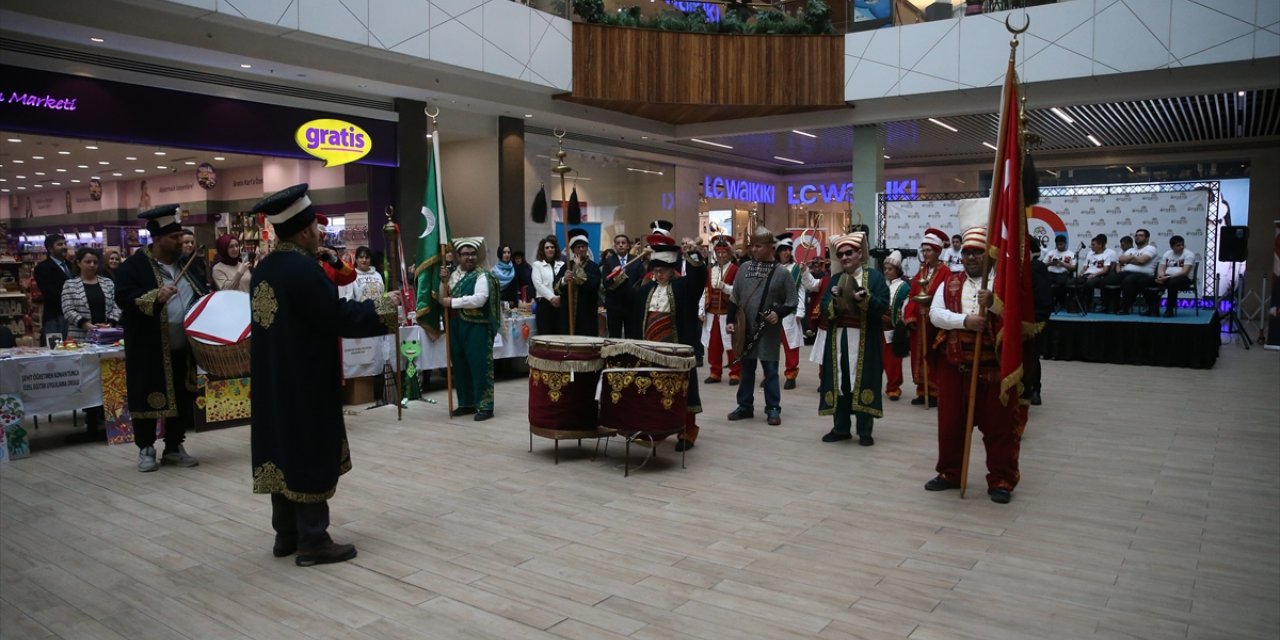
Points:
x=852 y=365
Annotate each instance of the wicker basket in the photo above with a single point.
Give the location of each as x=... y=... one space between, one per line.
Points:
x=222 y=360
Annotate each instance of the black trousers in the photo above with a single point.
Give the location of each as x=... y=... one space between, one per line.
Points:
x=306 y=522
x=1173 y=285
x=1130 y=284
x=175 y=428
x=546 y=318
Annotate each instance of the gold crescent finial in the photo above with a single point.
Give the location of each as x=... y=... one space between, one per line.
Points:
x=559 y=134
x=1025 y=25
x=431 y=115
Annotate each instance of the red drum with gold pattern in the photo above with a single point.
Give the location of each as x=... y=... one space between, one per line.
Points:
x=563 y=374
x=645 y=386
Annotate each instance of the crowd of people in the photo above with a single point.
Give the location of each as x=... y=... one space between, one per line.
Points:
x=1139 y=268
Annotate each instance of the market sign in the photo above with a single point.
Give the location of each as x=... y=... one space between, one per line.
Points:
x=334 y=141
x=38 y=101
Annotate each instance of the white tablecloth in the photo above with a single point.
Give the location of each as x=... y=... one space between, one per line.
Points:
x=55 y=381
x=366 y=356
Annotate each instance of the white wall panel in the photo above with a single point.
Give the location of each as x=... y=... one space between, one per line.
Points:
x=393 y=23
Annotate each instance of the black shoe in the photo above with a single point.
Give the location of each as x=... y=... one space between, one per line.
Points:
x=832 y=436
x=939 y=484
x=1035 y=398
x=711 y=380
x=773 y=419
x=1000 y=496
x=866 y=440
x=326 y=554
x=741 y=414
x=683 y=445
x=698 y=362
x=918 y=401
x=284 y=547
x=789 y=384
x=733 y=382
x=481 y=416
x=933 y=402
x=462 y=411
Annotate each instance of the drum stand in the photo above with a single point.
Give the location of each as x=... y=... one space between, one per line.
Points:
x=556 y=435
x=653 y=450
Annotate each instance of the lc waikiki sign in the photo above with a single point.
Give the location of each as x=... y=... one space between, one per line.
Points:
x=334 y=141
x=746 y=190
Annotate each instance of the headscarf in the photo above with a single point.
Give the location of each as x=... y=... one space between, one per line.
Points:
x=504 y=271
x=224 y=247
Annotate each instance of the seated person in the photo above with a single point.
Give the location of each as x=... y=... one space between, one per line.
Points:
x=1100 y=263
x=1174 y=274
x=1137 y=268
x=1062 y=267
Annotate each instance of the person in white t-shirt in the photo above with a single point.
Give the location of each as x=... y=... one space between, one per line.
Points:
x=951 y=256
x=1062 y=268
x=1100 y=263
x=1137 y=269
x=1174 y=273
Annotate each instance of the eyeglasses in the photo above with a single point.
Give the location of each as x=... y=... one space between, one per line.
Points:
x=845 y=254
x=467 y=254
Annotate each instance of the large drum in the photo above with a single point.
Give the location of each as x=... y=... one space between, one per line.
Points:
x=218 y=331
x=563 y=373
x=645 y=386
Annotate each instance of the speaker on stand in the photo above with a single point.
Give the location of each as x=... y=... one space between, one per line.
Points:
x=1233 y=247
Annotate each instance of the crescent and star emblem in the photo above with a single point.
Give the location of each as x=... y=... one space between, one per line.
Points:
x=428 y=221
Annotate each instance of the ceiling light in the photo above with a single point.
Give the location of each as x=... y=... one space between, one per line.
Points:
x=1129 y=168
x=4 y=179
x=19 y=161
x=159 y=153
x=21 y=177
x=791 y=160
x=958 y=180
x=114 y=173
x=97 y=40
x=1052 y=172
x=137 y=170
x=989 y=145
x=131 y=157
x=944 y=125
x=1063 y=114
x=5 y=190
x=38 y=186
x=37 y=157
x=528 y=115
x=98 y=178
x=21 y=188
x=56 y=184
x=713 y=144
x=75 y=181
x=246 y=66
x=82 y=166
x=1095 y=141
x=160 y=166
x=103 y=162
x=39 y=173
x=15 y=139
x=648 y=171
x=91 y=147
x=62 y=170
x=886 y=157
x=802 y=133
x=190 y=162
x=64 y=153
x=644 y=137
x=219 y=158
x=1240 y=94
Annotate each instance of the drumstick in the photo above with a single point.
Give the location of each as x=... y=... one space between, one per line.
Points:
x=189 y=263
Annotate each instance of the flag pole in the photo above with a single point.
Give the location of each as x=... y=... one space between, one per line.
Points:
x=1009 y=125
x=391 y=234
x=445 y=242
x=562 y=168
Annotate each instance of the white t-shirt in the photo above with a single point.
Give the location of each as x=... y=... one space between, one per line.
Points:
x=1178 y=264
x=1059 y=261
x=952 y=258
x=1149 y=268
x=1099 y=263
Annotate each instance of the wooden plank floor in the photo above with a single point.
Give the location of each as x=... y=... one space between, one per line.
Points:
x=1149 y=508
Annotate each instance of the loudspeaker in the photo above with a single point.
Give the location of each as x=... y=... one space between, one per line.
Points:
x=1233 y=244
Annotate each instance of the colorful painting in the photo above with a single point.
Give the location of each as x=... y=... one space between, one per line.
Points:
x=115 y=404
x=15 y=444
x=226 y=400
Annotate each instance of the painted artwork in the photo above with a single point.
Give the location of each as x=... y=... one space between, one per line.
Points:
x=15 y=444
x=226 y=400
x=115 y=404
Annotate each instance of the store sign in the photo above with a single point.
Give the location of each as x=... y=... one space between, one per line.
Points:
x=746 y=190
x=334 y=141
x=56 y=103
x=843 y=192
x=712 y=9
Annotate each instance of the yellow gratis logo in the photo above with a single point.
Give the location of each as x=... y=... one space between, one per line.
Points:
x=334 y=141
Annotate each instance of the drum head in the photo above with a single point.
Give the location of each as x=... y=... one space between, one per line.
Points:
x=219 y=318
x=581 y=342
x=670 y=348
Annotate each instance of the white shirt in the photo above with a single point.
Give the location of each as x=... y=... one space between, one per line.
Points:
x=1059 y=261
x=473 y=301
x=1178 y=264
x=1099 y=263
x=543 y=275
x=367 y=286
x=717 y=278
x=944 y=318
x=1133 y=267
x=953 y=259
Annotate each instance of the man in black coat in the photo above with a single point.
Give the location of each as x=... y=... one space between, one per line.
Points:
x=615 y=303
x=50 y=275
x=1042 y=300
x=584 y=304
x=160 y=374
x=298 y=438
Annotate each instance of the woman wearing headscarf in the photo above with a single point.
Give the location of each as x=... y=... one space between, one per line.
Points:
x=505 y=271
x=230 y=273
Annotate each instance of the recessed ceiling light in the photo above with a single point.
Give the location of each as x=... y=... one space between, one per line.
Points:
x=75 y=181
x=1095 y=141
x=64 y=153
x=886 y=157
x=114 y=173
x=944 y=125
x=62 y=170
x=1063 y=114
x=528 y=115
x=644 y=137
x=91 y=147
x=793 y=161
x=39 y=173
x=137 y=170
x=160 y=166
x=5 y=190
x=21 y=177
x=1240 y=94
x=56 y=184
x=190 y=162
x=82 y=166
x=712 y=144
x=803 y=133
x=38 y=186
x=159 y=153
x=19 y=161
x=103 y=162
x=1129 y=168
x=21 y=188
x=246 y=66
x=219 y=158
x=37 y=157
x=988 y=145
x=98 y=178
x=97 y=40
x=4 y=179
x=131 y=157
x=15 y=139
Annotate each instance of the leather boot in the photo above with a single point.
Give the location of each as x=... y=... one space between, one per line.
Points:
x=325 y=554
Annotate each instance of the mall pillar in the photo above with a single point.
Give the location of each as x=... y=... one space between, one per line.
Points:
x=511 y=205
x=411 y=139
x=868 y=175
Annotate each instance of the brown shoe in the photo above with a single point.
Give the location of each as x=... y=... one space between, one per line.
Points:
x=325 y=554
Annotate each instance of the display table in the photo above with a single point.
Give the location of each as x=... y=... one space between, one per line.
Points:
x=366 y=356
x=55 y=381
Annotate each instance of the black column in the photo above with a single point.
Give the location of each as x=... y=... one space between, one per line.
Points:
x=411 y=139
x=511 y=204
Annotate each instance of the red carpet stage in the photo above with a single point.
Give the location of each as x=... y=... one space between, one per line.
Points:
x=1185 y=340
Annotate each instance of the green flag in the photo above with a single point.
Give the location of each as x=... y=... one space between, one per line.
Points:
x=435 y=236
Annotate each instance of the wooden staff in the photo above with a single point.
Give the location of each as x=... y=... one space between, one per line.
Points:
x=562 y=168
x=448 y=350
x=923 y=300
x=391 y=233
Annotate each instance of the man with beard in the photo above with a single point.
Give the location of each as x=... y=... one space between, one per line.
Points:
x=765 y=295
x=584 y=273
x=933 y=271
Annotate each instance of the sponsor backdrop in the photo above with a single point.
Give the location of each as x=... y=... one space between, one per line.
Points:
x=1077 y=218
